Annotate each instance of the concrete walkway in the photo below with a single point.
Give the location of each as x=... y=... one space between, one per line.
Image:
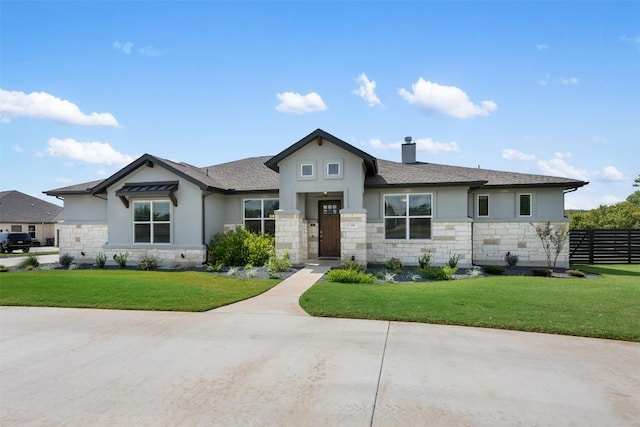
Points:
x=264 y=362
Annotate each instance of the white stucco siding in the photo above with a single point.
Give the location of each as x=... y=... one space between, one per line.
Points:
x=214 y=215
x=448 y=203
x=84 y=209
x=350 y=182
x=186 y=217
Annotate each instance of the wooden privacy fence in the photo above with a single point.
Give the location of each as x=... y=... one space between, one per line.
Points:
x=604 y=246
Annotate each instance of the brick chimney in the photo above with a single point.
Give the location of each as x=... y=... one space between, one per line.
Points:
x=408 y=151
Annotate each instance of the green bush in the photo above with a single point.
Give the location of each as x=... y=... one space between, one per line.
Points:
x=148 y=262
x=3 y=269
x=424 y=261
x=279 y=264
x=511 y=259
x=439 y=273
x=350 y=276
x=260 y=248
x=493 y=269
x=66 y=260
x=453 y=261
x=29 y=261
x=353 y=265
x=101 y=260
x=395 y=264
x=240 y=247
x=121 y=259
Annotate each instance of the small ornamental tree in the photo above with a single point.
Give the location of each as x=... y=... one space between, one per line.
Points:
x=553 y=240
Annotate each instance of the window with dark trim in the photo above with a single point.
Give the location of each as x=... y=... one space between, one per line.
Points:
x=407 y=216
x=152 y=221
x=524 y=204
x=483 y=205
x=260 y=215
x=32 y=231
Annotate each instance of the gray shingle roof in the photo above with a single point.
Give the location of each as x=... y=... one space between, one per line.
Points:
x=256 y=174
x=18 y=207
x=394 y=173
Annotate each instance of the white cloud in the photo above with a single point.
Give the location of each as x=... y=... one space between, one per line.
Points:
x=570 y=81
x=292 y=102
x=17 y=149
x=150 y=51
x=448 y=100
x=42 y=105
x=542 y=46
x=559 y=167
x=611 y=173
x=633 y=40
x=88 y=152
x=422 y=144
x=64 y=180
x=125 y=47
x=367 y=90
x=511 y=154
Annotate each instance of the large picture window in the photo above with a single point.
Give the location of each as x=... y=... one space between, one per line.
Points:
x=260 y=215
x=407 y=216
x=524 y=204
x=152 y=221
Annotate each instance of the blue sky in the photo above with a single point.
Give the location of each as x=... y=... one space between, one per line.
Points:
x=536 y=87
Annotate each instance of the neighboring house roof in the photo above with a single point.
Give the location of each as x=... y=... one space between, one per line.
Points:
x=260 y=174
x=370 y=162
x=18 y=207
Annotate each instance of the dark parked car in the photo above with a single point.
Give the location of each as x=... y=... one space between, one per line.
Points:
x=11 y=241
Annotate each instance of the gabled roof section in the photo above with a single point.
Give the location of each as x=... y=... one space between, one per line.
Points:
x=423 y=174
x=370 y=162
x=188 y=172
x=83 y=188
x=18 y=207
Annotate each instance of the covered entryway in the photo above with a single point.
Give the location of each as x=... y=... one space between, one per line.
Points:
x=329 y=224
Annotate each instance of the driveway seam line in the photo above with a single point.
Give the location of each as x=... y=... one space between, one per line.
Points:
x=384 y=352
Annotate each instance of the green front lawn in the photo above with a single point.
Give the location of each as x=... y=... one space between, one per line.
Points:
x=607 y=307
x=127 y=289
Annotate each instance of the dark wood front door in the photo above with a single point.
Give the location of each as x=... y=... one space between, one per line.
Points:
x=329 y=214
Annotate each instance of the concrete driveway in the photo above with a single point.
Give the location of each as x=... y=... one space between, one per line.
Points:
x=265 y=362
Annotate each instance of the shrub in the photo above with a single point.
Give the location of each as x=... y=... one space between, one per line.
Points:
x=353 y=265
x=453 y=261
x=29 y=261
x=389 y=277
x=74 y=267
x=350 y=276
x=511 y=259
x=424 y=261
x=493 y=269
x=101 y=260
x=575 y=273
x=279 y=264
x=3 y=269
x=29 y=267
x=232 y=271
x=394 y=264
x=148 y=262
x=229 y=248
x=216 y=267
x=439 y=273
x=66 y=260
x=259 y=248
x=121 y=259
x=541 y=272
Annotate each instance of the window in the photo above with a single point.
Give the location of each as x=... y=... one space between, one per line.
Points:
x=407 y=216
x=16 y=228
x=260 y=215
x=306 y=170
x=483 y=205
x=333 y=169
x=524 y=204
x=152 y=221
x=32 y=231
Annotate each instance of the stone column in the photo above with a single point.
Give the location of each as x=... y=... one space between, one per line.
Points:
x=353 y=235
x=291 y=235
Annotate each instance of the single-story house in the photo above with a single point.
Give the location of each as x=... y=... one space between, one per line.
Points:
x=321 y=197
x=20 y=212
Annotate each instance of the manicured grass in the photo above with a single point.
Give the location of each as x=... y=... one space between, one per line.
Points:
x=606 y=307
x=127 y=289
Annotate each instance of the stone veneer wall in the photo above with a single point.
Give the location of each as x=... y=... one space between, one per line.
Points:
x=491 y=241
x=448 y=238
x=169 y=257
x=353 y=236
x=87 y=238
x=291 y=236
